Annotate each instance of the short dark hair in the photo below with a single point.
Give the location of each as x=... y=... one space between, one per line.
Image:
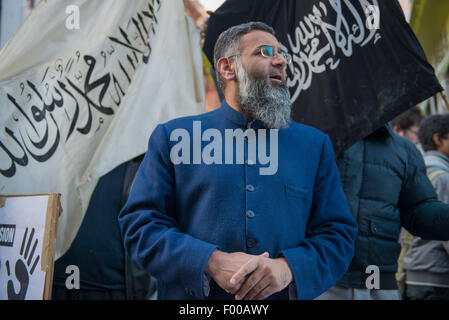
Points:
x=409 y=118
x=228 y=43
x=438 y=123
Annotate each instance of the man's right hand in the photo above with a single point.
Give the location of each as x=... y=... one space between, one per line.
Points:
x=222 y=266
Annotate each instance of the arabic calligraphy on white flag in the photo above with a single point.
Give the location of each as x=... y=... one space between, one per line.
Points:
x=78 y=102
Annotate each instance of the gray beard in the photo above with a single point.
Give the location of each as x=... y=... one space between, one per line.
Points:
x=261 y=101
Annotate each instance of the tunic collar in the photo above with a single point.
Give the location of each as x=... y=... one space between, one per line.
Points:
x=239 y=118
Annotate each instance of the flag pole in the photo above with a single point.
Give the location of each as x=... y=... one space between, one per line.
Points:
x=444 y=99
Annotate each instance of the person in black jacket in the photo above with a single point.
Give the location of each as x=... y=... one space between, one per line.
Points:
x=384 y=179
x=406 y=125
x=105 y=271
x=427 y=262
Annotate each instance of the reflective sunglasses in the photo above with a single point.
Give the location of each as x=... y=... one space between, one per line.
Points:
x=269 y=52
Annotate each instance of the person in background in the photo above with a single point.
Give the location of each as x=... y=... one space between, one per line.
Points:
x=407 y=124
x=385 y=182
x=427 y=262
x=105 y=271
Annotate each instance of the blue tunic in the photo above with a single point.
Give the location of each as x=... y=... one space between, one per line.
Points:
x=177 y=214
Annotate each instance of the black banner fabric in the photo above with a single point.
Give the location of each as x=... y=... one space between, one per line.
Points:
x=356 y=64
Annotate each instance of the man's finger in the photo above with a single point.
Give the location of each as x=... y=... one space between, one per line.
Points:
x=258 y=289
x=253 y=281
x=268 y=291
x=246 y=269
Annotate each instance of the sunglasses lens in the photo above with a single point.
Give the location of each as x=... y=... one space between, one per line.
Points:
x=267 y=51
x=287 y=56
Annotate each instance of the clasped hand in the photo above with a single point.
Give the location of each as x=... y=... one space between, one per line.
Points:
x=249 y=277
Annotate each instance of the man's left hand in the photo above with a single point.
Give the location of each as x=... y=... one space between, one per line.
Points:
x=264 y=276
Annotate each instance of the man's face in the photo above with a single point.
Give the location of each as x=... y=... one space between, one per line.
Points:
x=262 y=91
x=444 y=144
x=412 y=134
x=272 y=69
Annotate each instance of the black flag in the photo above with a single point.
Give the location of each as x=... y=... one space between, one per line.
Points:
x=356 y=64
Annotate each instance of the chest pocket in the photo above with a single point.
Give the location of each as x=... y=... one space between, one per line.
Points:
x=297 y=192
x=385 y=229
x=297 y=207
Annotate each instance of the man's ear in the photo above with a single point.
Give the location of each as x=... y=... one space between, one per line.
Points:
x=436 y=139
x=226 y=69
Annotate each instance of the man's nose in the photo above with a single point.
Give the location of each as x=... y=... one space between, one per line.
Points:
x=279 y=61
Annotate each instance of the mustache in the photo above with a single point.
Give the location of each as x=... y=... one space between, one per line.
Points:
x=274 y=72
x=279 y=75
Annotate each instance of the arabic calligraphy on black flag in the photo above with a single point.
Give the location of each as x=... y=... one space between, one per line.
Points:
x=356 y=64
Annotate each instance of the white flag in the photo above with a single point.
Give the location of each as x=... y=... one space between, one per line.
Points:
x=82 y=85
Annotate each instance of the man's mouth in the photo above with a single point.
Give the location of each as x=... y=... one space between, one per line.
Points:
x=276 y=77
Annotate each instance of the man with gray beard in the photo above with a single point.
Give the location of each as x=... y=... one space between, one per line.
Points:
x=270 y=104
x=225 y=230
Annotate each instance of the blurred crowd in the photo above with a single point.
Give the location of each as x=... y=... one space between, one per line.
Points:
x=423 y=266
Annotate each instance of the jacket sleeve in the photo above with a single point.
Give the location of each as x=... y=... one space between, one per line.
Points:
x=421 y=213
x=441 y=186
x=149 y=227
x=323 y=257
